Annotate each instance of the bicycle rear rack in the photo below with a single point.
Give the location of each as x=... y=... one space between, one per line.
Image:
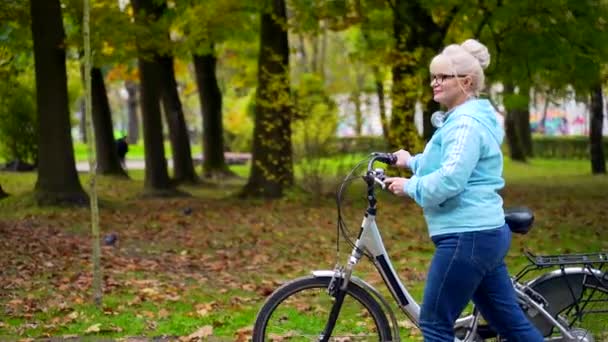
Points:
x=567 y=259
x=588 y=261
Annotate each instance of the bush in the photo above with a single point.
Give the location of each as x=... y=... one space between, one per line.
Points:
x=361 y=144
x=576 y=147
x=238 y=123
x=313 y=129
x=18 y=126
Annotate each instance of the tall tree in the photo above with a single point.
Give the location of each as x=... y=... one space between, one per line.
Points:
x=156 y=179
x=107 y=159
x=517 y=150
x=132 y=117
x=183 y=167
x=214 y=163
x=57 y=177
x=82 y=125
x=523 y=121
x=272 y=163
x=108 y=162
x=88 y=74
x=367 y=32
x=598 y=161
x=431 y=32
x=209 y=32
x=415 y=34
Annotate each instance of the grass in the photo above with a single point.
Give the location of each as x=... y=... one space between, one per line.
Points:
x=209 y=260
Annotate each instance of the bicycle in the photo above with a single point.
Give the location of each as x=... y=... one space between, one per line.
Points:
x=336 y=304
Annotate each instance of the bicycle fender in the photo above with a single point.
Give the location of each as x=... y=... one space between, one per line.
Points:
x=369 y=288
x=561 y=289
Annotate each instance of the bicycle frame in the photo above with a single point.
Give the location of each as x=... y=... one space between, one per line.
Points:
x=369 y=242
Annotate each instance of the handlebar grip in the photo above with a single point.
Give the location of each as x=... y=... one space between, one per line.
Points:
x=386 y=158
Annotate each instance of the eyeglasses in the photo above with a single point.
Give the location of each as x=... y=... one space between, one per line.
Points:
x=440 y=78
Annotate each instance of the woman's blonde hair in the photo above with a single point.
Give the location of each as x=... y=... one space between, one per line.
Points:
x=469 y=58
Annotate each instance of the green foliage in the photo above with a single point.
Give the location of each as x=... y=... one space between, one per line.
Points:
x=316 y=118
x=576 y=147
x=18 y=126
x=313 y=130
x=238 y=123
x=361 y=144
x=559 y=43
x=516 y=101
x=112 y=30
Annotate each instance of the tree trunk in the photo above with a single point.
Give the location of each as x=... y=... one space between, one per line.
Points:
x=322 y=51
x=156 y=179
x=2 y=193
x=543 y=119
x=57 y=177
x=133 y=134
x=356 y=98
x=272 y=164
x=302 y=50
x=210 y=97
x=598 y=161
x=403 y=132
x=156 y=176
x=381 y=105
x=97 y=282
x=183 y=167
x=514 y=140
x=523 y=122
x=108 y=162
x=413 y=28
x=83 y=122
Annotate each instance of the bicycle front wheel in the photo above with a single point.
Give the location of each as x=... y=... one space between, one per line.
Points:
x=299 y=310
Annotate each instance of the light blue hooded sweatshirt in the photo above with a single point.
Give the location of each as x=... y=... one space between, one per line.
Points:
x=457 y=177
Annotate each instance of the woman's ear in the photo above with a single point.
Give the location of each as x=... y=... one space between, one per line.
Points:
x=468 y=81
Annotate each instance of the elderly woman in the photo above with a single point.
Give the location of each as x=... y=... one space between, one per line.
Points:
x=455 y=180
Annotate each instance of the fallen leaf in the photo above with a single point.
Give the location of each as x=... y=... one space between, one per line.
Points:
x=163 y=313
x=95 y=328
x=201 y=333
x=244 y=334
x=204 y=309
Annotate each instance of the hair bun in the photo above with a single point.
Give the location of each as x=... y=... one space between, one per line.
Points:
x=478 y=50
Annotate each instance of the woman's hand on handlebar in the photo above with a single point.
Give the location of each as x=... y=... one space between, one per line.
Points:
x=396 y=185
x=403 y=158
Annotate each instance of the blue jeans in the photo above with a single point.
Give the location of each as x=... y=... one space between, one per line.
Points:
x=471 y=266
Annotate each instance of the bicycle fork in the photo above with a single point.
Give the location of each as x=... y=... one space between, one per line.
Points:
x=337 y=288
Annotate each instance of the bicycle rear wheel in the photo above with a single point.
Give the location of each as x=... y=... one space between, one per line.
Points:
x=579 y=301
x=298 y=311
x=589 y=317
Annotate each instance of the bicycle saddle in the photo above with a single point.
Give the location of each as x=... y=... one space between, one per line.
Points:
x=519 y=219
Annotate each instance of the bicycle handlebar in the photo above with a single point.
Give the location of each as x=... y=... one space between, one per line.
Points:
x=377 y=175
x=386 y=158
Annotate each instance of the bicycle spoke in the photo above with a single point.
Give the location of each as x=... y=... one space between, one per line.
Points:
x=589 y=320
x=305 y=314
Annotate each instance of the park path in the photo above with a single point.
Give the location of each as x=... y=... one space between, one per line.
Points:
x=139 y=164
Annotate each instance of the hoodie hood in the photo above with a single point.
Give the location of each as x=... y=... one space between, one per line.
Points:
x=483 y=111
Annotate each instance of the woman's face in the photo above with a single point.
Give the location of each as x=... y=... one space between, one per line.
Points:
x=450 y=90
